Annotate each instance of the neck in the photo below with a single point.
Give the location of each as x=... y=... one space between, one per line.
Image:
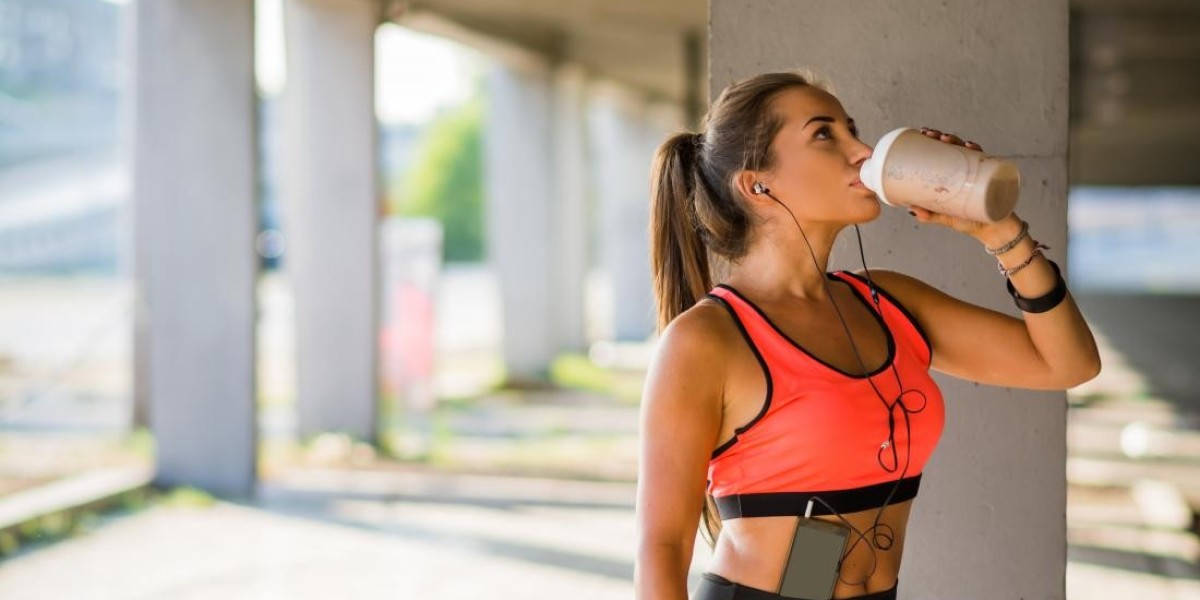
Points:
x=780 y=266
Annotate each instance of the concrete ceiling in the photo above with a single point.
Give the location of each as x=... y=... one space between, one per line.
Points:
x=647 y=44
x=1135 y=97
x=1135 y=88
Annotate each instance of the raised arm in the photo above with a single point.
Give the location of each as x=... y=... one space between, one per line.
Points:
x=680 y=422
x=1050 y=350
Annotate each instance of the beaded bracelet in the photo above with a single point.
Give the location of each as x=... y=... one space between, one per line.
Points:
x=1011 y=243
x=1037 y=249
x=1044 y=302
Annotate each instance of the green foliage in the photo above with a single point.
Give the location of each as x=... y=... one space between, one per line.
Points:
x=187 y=497
x=446 y=181
x=577 y=371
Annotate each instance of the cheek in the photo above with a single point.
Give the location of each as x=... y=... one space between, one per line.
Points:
x=812 y=172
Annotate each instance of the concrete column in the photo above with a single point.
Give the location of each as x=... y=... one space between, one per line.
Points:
x=695 y=68
x=990 y=519
x=195 y=220
x=519 y=181
x=330 y=211
x=569 y=229
x=622 y=184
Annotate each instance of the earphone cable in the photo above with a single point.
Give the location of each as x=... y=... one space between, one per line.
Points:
x=880 y=532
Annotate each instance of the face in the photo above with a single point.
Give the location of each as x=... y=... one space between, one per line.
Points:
x=817 y=160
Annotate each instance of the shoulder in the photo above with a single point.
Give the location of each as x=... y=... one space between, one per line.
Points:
x=702 y=331
x=903 y=287
x=918 y=298
x=690 y=364
x=695 y=347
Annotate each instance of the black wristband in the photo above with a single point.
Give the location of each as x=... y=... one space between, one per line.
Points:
x=1043 y=303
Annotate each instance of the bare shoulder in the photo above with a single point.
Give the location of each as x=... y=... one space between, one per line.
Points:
x=700 y=334
x=909 y=290
x=691 y=362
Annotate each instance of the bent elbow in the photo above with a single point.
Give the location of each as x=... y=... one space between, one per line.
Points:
x=1094 y=366
x=1087 y=373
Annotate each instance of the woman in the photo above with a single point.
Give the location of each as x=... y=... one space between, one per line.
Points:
x=785 y=380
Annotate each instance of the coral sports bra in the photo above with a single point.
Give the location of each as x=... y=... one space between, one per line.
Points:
x=824 y=432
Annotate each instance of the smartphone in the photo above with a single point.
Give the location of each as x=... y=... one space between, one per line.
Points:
x=811 y=570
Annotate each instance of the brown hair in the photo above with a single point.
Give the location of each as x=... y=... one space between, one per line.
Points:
x=695 y=206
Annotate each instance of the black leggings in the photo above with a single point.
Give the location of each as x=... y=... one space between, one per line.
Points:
x=715 y=587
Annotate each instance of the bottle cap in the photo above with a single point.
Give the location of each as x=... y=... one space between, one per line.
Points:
x=871 y=173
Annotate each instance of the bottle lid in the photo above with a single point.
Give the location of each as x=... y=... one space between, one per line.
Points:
x=871 y=173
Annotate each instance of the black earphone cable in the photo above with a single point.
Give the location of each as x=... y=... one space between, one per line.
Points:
x=883 y=536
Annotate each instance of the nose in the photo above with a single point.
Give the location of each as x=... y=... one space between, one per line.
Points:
x=861 y=154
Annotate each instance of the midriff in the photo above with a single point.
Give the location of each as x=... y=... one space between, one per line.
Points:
x=752 y=550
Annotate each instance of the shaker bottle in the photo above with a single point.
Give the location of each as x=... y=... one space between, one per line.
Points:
x=909 y=168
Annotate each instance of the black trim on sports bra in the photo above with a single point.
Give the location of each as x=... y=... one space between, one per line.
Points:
x=786 y=504
x=891 y=342
x=762 y=362
x=897 y=304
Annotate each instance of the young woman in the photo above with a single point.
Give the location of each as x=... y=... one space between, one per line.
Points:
x=787 y=390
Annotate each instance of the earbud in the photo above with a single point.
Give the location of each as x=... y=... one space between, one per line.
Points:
x=759 y=188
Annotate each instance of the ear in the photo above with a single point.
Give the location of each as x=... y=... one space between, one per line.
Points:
x=744 y=182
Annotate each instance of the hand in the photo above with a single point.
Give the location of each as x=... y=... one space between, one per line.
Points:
x=967 y=226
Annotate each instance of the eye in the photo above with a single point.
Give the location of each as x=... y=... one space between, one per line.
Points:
x=824 y=129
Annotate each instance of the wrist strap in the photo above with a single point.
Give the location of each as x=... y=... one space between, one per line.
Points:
x=1045 y=302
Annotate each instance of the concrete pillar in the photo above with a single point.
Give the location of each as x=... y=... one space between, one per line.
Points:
x=569 y=231
x=330 y=211
x=519 y=181
x=622 y=184
x=990 y=519
x=195 y=220
x=695 y=68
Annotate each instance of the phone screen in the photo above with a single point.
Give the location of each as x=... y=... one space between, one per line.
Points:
x=812 y=564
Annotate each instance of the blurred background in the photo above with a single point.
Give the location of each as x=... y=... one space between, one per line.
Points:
x=424 y=239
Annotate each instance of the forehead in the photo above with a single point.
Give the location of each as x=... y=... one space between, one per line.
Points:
x=799 y=104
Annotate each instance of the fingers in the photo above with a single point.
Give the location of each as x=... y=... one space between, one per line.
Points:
x=928 y=216
x=949 y=138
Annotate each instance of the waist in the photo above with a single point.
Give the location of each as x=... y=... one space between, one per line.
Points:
x=780 y=504
x=713 y=586
x=754 y=552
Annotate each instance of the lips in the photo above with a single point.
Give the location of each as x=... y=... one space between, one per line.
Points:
x=856 y=182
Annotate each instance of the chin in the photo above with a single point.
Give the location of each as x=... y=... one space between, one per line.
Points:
x=869 y=214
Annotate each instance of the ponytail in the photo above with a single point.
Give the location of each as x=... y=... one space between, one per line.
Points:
x=679 y=261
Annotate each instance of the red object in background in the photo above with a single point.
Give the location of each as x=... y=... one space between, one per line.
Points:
x=408 y=337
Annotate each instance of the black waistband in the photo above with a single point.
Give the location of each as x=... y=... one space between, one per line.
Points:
x=717 y=587
x=781 y=504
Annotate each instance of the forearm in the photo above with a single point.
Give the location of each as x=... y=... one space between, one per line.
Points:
x=1061 y=335
x=660 y=572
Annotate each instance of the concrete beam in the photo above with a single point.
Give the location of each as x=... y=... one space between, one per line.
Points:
x=195 y=222
x=1135 y=106
x=989 y=522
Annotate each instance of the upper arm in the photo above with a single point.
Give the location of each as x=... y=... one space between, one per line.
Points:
x=679 y=423
x=969 y=341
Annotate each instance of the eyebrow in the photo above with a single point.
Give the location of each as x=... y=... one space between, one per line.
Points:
x=849 y=122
